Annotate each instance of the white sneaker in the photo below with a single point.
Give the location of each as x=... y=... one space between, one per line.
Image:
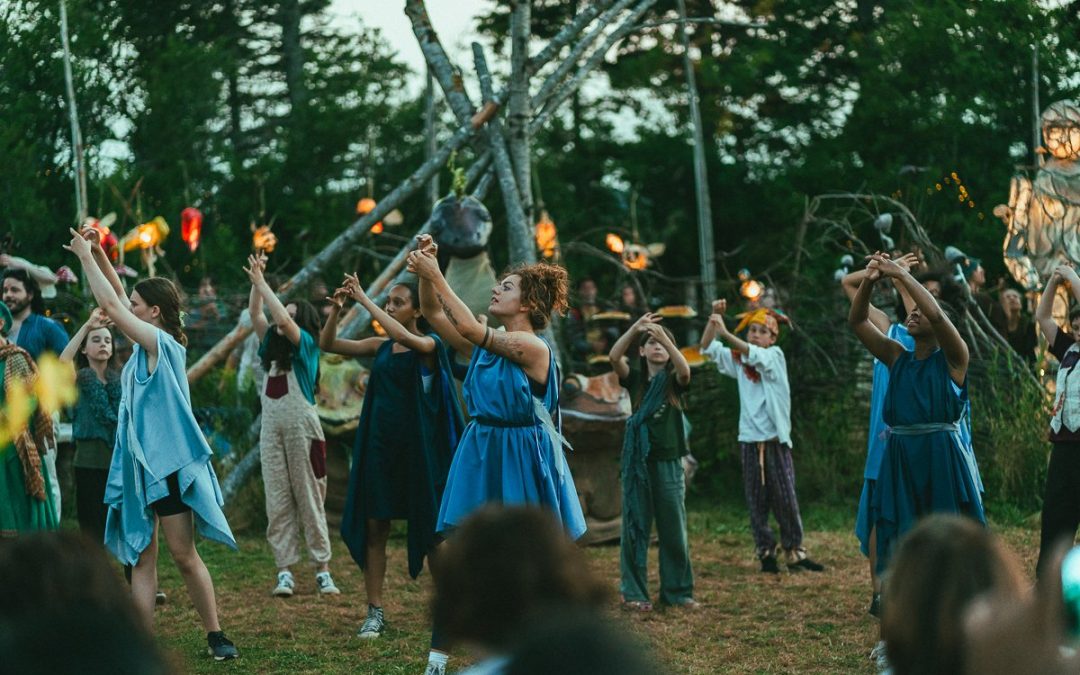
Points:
x=435 y=669
x=325 y=584
x=285 y=585
x=879 y=658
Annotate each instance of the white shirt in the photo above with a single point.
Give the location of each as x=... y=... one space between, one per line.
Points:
x=765 y=405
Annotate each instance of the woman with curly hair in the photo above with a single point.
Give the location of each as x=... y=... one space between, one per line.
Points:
x=511 y=450
x=161 y=477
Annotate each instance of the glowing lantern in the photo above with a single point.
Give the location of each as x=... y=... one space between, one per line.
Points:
x=191 y=227
x=366 y=206
x=263 y=239
x=106 y=236
x=546 y=238
x=146 y=236
x=635 y=256
x=614 y=242
x=750 y=289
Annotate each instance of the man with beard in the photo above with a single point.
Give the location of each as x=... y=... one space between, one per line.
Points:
x=33 y=331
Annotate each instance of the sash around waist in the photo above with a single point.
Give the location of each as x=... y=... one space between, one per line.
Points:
x=924 y=428
x=505 y=424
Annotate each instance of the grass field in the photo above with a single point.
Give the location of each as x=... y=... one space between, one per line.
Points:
x=749 y=623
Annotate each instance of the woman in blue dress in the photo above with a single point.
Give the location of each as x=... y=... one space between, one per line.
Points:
x=160 y=476
x=408 y=429
x=511 y=451
x=925 y=467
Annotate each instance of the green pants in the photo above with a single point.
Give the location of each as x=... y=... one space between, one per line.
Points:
x=664 y=497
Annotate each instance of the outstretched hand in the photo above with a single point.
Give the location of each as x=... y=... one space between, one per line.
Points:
x=423 y=265
x=1066 y=273
x=78 y=245
x=719 y=306
x=341 y=294
x=425 y=243
x=717 y=320
x=98 y=319
x=352 y=285
x=644 y=321
x=255 y=268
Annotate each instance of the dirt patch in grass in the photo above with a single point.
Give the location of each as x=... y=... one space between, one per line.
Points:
x=749 y=622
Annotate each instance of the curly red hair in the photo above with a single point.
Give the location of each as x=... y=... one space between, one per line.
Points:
x=545 y=289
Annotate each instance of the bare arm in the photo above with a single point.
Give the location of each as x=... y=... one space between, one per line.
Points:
x=678 y=361
x=73 y=345
x=394 y=328
x=255 y=310
x=278 y=313
x=145 y=334
x=850 y=283
x=619 y=363
x=105 y=265
x=329 y=341
x=1044 y=312
x=883 y=348
x=41 y=274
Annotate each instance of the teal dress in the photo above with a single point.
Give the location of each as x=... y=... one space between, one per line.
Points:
x=926 y=467
x=511 y=452
x=404 y=442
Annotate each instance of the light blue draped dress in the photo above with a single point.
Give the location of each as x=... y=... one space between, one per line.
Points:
x=510 y=452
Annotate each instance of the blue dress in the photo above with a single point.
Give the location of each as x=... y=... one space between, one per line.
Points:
x=925 y=467
x=510 y=452
x=157 y=436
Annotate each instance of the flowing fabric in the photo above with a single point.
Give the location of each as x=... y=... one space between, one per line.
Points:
x=636 y=447
x=428 y=429
x=926 y=468
x=511 y=450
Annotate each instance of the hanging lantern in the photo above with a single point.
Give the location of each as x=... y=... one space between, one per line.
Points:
x=263 y=239
x=146 y=236
x=191 y=227
x=366 y=206
x=635 y=256
x=546 y=237
x=106 y=236
x=751 y=290
x=614 y=242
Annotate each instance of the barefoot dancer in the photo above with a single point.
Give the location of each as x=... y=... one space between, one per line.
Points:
x=408 y=429
x=161 y=476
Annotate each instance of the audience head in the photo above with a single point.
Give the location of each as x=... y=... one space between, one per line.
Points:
x=539 y=290
x=278 y=347
x=21 y=291
x=586 y=291
x=503 y=567
x=157 y=300
x=941 y=566
x=63 y=609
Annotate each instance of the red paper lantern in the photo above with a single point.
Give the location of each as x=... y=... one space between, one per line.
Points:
x=191 y=227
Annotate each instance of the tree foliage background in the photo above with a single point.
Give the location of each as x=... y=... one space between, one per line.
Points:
x=266 y=111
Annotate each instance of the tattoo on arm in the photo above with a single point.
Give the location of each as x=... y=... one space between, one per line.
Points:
x=446 y=310
x=507 y=345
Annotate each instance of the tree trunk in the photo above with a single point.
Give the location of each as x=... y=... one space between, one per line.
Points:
x=77 y=158
x=707 y=251
x=519 y=110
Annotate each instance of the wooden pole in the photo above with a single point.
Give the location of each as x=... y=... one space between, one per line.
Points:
x=706 y=251
x=429 y=135
x=519 y=111
x=73 y=113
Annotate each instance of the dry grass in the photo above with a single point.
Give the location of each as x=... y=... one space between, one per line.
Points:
x=805 y=623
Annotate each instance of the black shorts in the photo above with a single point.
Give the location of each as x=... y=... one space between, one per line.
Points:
x=170 y=505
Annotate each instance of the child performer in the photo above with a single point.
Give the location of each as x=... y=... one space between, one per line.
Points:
x=652 y=474
x=291 y=442
x=760 y=369
x=875 y=441
x=511 y=451
x=924 y=468
x=1061 y=503
x=409 y=426
x=93 y=419
x=161 y=476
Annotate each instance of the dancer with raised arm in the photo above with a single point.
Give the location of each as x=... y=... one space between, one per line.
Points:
x=760 y=369
x=924 y=468
x=511 y=451
x=291 y=442
x=409 y=427
x=653 y=481
x=161 y=476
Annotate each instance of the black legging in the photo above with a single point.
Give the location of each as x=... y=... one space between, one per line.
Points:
x=90 y=502
x=1061 y=503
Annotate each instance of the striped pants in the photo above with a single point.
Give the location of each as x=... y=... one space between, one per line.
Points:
x=769 y=484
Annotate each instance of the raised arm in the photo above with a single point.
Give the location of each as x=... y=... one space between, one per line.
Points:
x=429 y=305
x=879 y=344
x=850 y=283
x=718 y=327
x=678 y=361
x=619 y=362
x=954 y=347
x=329 y=341
x=101 y=258
x=394 y=328
x=145 y=334
x=255 y=310
x=278 y=313
x=521 y=347
x=41 y=274
x=1044 y=313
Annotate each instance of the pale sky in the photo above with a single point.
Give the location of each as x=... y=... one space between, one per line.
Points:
x=454 y=21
